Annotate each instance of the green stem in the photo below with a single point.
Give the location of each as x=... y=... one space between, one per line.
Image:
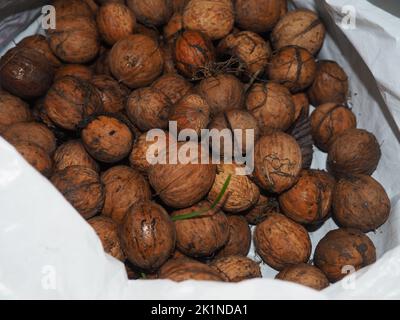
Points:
x=195 y=214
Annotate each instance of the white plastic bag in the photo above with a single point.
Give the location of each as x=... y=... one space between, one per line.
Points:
x=48 y=251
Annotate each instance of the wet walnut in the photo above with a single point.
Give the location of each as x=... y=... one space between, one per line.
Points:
x=107 y=139
x=328 y=121
x=239 y=239
x=304 y=274
x=360 y=202
x=201 y=236
x=241 y=194
x=237 y=268
x=330 y=84
x=277 y=161
x=147 y=235
x=36 y=156
x=123 y=188
x=309 y=200
x=73 y=153
x=282 y=242
x=71 y=100
x=301 y=28
x=355 y=151
x=271 y=105
x=294 y=67
x=107 y=231
x=12 y=110
x=136 y=60
x=342 y=248
x=82 y=188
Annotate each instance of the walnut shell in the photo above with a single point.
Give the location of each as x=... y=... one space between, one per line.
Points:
x=301 y=28
x=174 y=26
x=148 y=109
x=252 y=51
x=72 y=8
x=277 y=161
x=106 y=19
x=239 y=239
x=330 y=84
x=169 y=63
x=107 y=231
x=112 y=94
x=304 y=274
x=25 y=72
x=294 y=67
x=102 y=64
x=191 y=112
x=182 y=269
x=73 y=153
x=147 y=235
x=213 y=18
x=36 y=156
x=75 y=39
x=309 y=200
x=193 y=54
x=360 y=202
x=301 y=131
x=265 y=206
x=272 y=106
x=39 y=43
x=258 y=15
x=136 y=60
x=203 y=235
x=343 y=248
x=123 y=187
x=222 y=92
x=82 y=188
x=173 y=86
x=107 y=139
x=237 y=268
x=76 y=70
x=33 y=132
x=183 y=184
x=149 y=31
x=151 y=12
x=71 y=100
x=328 y=121
x=282 y=242
x=241 y=194
x=352 y=152
x=301 y=105
x=12 y=110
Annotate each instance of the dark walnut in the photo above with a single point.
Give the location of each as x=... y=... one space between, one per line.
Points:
x=182 y=269
x=12 y=110
x=36 y=156
x=82 y=188
x=73 y=153
x=304 y=274
x=277 y=162
x=272 y=106
x=124 y=187
x=301 y=105
x=147 y=235
x=355 y=151
x=294 y=67
x=239 y=239
x=237 y=268
x=301 y=28
x=201 y=236
x=258 y=16
x=328 y=121
x=107 y=231
x=136 y=60
x=25 y=72
x=70 y=101
x=265 y=206
x=342 y=248
x=309 y=200
x=76 y=70
x=183 y=184
x=282 y=242
x=107 y=139
x=360 y=202
x=112 y=94
x=330 y=84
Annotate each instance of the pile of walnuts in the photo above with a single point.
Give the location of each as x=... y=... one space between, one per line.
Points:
x=78 y=102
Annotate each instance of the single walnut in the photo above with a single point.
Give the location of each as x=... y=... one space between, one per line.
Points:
x=237 y=268
x=304 y=274
x=12 y=110
x=73 y=153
